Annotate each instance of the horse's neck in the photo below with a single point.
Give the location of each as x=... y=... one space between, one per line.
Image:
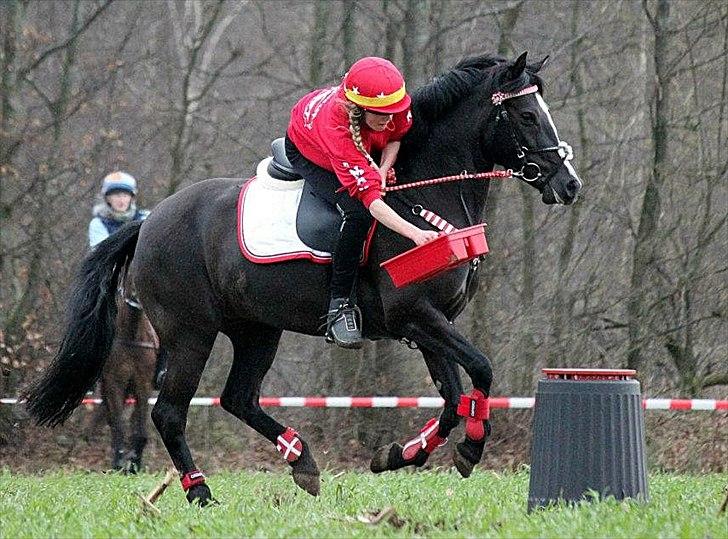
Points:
x=132 y=324
x=447 y=150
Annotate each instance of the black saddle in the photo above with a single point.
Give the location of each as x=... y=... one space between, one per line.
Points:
x=317 y=221
x=279 y=167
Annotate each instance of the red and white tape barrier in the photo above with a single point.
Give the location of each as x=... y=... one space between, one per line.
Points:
x=509 y=403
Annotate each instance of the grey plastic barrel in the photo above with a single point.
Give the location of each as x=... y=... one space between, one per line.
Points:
x=588 y=435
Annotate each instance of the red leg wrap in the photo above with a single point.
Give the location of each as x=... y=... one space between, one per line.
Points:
x=476 y=409
x=289 y=445
x=191 y=479
x=428 y=440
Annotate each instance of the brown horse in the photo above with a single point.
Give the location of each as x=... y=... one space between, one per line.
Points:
x=129 y=372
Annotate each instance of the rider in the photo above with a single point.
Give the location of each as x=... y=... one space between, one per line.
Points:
x=330 y=138
x=118 y=207
x=118 y=192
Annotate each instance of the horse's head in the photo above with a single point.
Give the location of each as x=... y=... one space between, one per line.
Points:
x=523 y=136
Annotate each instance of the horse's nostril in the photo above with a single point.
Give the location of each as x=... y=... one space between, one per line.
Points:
x=573 y=186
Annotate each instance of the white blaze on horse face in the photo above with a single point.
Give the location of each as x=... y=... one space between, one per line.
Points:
x=545 y=109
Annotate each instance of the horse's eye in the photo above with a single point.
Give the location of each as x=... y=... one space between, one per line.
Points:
x=529 y=118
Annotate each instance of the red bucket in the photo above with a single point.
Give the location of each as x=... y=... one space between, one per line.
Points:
x=444 y=253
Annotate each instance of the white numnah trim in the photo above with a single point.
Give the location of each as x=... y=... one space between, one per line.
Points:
x=269 y=216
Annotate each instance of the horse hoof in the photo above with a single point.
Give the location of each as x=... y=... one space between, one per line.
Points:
x=384 y=456
x=467 y=454
x=305 y=471
x=464 y=466
x=308 y=481
x=200 y=495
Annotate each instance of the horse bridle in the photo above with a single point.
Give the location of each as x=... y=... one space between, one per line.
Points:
x=530 y=172
x=134 y=305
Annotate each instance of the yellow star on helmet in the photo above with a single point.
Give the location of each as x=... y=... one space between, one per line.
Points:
x=355 y=89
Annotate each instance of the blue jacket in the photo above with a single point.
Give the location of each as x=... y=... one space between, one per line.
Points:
x=103 y=226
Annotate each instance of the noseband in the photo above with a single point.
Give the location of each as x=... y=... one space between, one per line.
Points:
x=530 y=172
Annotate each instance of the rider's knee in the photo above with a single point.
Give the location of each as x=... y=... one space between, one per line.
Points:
x=356 y=219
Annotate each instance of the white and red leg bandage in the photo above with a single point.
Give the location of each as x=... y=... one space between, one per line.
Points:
x=192 y=479
x=289 y=445
x=475 y=408
x=428 y=440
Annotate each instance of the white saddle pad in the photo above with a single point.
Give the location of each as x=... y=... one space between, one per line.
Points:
x=267 y=220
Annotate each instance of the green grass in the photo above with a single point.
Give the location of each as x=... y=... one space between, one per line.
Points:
x=427 y=504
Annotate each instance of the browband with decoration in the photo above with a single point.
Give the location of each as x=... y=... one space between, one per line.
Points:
x=499 y=97
x=380 y=100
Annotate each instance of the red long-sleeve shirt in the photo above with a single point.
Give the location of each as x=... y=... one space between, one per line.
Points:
x=319 y=128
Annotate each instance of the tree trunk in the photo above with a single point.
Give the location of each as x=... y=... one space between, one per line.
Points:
x=409 y=41
x=318 y=41
x=57 y=109
x=436 y=54
x=390 y=31
x=481 y=331
x=645 y=244
x=348 y=32
x=561 y=304
x=10 y=22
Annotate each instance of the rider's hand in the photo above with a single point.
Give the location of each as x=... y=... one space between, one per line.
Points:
x=391 y=177
x=420 y=237
x=383 y=177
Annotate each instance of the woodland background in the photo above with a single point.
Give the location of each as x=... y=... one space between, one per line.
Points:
x=633 y=275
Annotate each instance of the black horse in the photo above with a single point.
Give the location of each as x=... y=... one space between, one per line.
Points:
x=193 y=282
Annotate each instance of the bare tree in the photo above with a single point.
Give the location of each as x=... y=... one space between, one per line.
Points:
x=198 y=30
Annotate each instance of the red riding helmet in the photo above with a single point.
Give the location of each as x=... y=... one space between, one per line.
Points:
x=376 y=85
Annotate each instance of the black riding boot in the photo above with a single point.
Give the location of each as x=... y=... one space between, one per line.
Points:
x=343 y=321
x=343 y=324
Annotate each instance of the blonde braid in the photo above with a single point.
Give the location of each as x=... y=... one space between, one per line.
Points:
x=355 y=118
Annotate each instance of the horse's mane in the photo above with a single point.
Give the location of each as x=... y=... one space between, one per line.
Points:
x=432 y=101
x=446 y=90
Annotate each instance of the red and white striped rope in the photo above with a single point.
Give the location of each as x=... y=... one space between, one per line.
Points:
x=503 y=174
x=436 y=221
x=506 y=403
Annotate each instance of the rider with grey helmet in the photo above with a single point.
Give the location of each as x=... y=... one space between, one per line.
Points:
x=116 y=207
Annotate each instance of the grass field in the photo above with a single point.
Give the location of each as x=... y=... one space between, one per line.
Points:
x=427 y=504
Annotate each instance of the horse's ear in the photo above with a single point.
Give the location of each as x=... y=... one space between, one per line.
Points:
x=535 y=68
x=516 y=70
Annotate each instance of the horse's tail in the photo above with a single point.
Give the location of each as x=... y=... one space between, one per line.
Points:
x=89 y=333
